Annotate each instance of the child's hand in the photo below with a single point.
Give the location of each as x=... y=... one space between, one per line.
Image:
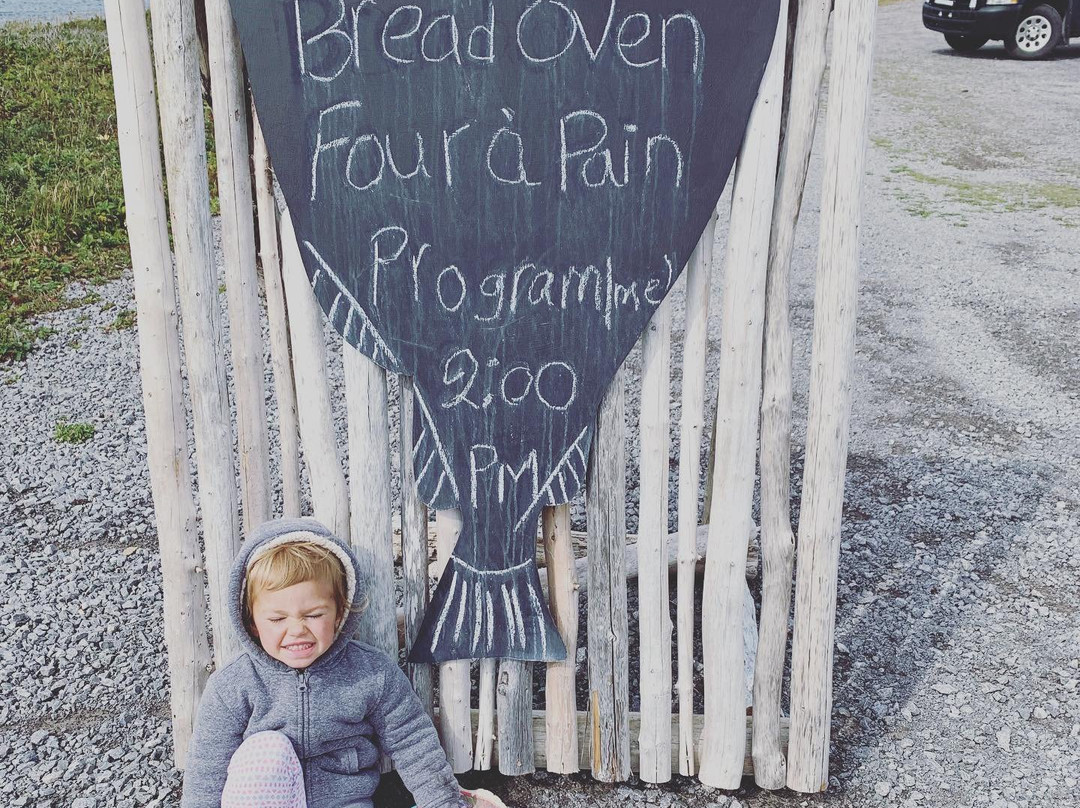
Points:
x=480 y=798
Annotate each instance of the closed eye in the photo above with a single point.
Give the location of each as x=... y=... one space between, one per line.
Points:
x=315 y=616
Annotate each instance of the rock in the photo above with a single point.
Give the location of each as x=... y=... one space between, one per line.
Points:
x=882 y=788
x=1004 y=739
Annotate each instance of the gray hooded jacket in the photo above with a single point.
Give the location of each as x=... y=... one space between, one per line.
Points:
x=340 y=713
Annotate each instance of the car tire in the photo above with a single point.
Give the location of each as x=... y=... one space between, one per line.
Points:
x=965 y=44
x=1037 y=33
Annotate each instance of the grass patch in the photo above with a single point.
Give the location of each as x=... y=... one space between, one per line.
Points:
x=65 y=432
x=124 y=321
x=1001 y=197
x=61 y=193
x=968 y=193
x=62 y=213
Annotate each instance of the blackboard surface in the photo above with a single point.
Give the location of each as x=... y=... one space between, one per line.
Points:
x=493 y=196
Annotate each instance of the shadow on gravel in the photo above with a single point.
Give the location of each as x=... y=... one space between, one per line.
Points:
x=922 y=535
x=991 y=53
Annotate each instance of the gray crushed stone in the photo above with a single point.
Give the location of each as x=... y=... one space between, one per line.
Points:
x=957 y=646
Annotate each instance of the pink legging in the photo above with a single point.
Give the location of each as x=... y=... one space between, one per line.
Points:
x=264 y=773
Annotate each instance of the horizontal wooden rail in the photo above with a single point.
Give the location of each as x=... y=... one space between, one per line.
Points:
x=582 y=565
x=540 y=739
x=753 y=555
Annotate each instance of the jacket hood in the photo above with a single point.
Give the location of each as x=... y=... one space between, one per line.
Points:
x=269 y=535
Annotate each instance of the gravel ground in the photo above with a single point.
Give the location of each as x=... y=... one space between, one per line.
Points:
x=958 y=652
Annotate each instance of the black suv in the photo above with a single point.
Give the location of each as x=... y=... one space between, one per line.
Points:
x=1029 y=28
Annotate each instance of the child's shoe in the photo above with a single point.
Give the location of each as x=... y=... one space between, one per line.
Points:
x=480 y=794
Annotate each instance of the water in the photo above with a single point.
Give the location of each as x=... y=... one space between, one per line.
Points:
x=49 y=9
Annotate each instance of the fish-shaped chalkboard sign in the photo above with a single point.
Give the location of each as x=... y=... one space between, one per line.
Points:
x=494 y=196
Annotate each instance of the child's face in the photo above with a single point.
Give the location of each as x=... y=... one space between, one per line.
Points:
x=296 y=624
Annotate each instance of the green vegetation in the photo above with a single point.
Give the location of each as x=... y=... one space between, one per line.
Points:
x=124 y=320
x=61 y=195
x=65 y=432
x=998 y=197
x=61 y=192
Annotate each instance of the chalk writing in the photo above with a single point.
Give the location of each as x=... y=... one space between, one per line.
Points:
x=554 y=383
x=589 y=156
x=333 y=36
x=501 y=296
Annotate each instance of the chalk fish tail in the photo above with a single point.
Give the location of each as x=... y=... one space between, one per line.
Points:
x=489 y=603
x=477 y=614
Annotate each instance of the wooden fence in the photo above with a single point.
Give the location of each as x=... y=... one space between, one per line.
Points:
x=754 y=401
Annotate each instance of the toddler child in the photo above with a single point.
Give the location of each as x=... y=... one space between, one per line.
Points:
x=302 y=716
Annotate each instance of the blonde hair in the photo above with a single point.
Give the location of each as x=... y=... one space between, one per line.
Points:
x=294 y=563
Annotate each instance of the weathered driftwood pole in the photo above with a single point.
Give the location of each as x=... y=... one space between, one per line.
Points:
x=329 y=492
x=692 y=424
x=184 y=142
x=634 y=722
x=280 y=344
x=372 y=531
x=654 y=616
x=777 y=539
x=830 y=395
x=414 y=545
x=560 y=717
x=608 y=631
x=723 y=744
x=454 y=682
x=485 y=724
x=159 y=355
x=513 y=712
x=514 y=708
x=229 y=97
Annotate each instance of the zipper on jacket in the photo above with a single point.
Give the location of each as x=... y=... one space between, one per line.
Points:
x=302 y=694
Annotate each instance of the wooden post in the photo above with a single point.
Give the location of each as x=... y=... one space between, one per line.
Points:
x=159 y=359
x=184 y=142
x=514 y=701
x=369 y=496
x=280 y=344
x=835 y=299
x=777 y=540
x=723 y=744
x=654 y=616
x=414 y=545
x=329 y=493
x=513 y=705
x=561 y=685
x=454 y=679
x=485 y=725
x=229 y=96
x=608 y=632
x=692 y=424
